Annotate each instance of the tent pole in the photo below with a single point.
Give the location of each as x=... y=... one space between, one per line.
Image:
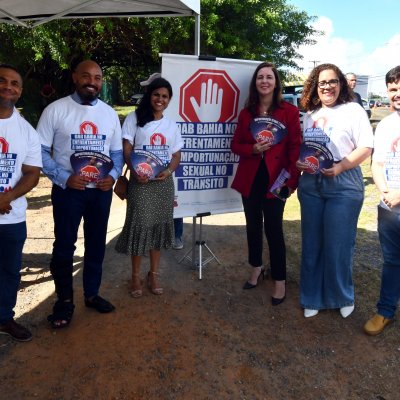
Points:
x=197 y=34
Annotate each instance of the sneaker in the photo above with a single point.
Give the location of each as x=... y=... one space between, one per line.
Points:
x=376 y=325
x=16 y=331
x=346 y=311
x=308 y=313
x=178 y=244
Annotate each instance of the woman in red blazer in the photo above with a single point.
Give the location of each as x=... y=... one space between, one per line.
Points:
x=267 y=139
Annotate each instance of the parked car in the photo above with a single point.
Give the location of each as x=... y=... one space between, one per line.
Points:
x=295 y=100
x=375 y=103
x=366 y=107
x=136 y=99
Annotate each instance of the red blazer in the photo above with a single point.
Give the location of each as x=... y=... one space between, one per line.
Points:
x=281 y=155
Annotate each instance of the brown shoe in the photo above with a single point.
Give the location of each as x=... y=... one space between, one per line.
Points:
x=16 y=331
x=376 y=325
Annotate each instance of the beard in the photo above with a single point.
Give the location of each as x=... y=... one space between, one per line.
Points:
x=85 y=95
x=7 y=103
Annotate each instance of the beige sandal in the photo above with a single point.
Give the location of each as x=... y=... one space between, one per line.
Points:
x=136 y=289
x=152 y=283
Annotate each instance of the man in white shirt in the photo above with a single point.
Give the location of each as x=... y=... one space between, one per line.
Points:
x=386 y=174
x=79 y=123
x=20 y=163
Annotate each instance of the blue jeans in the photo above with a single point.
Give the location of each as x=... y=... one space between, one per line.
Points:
x=178 y=227
x=12 y=239
x=69 y=207
x=330 y=208
x=389 y=236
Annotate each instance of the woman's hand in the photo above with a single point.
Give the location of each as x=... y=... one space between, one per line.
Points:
x=391 y=198
x=260 y=147
x=163 y=175
x=335 y=170
x=301 y=166
x=139 y=178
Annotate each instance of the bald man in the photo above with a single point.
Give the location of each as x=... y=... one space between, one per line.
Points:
x=79 y=123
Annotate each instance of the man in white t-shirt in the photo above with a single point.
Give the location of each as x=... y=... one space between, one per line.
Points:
x=20 y=163
x=79 y=123
x=386 y=174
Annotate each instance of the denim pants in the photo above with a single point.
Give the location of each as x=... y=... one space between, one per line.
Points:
x=12 y=239
x=330 y=207
x=389 y=236
x=262 y=212
x=69 y=207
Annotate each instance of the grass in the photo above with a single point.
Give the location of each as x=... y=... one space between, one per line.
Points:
x=123 y=111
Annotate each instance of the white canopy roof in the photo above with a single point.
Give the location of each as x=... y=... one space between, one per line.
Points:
x=42 y=11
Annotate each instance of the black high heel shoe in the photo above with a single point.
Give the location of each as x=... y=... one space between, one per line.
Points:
x=249 y=285
x=275 y=301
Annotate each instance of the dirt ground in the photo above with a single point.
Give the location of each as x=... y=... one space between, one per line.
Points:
x=202 y=339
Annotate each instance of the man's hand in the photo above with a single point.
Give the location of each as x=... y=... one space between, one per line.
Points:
x=5 y=204
x=105 y=183
x=77 y=182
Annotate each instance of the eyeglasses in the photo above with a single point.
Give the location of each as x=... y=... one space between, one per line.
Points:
x=332 y=83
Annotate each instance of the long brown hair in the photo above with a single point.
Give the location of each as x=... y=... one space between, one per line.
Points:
x=253 y=100
x=310 y=100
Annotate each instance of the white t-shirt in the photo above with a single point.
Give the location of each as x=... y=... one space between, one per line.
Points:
x=342 y=128
x=161 y=137
x=387 y=150
x=70 y=127
x=19 y=144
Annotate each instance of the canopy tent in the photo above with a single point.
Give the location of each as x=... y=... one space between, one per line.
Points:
x=36 y=12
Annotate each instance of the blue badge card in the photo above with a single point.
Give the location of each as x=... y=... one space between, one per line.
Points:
x=91 y=165
x=266 y=129
x=316 y=156
x=146 y=164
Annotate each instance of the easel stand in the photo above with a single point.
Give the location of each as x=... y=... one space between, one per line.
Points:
x=199 y=244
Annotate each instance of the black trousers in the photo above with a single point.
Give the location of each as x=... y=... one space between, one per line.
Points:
x=260 y=213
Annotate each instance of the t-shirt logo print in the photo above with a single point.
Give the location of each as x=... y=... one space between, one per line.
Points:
x=3 y=145
x=7 y=166
x=88 y=128
x=157 y=139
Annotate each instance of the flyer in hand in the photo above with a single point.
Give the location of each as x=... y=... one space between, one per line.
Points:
x=146 y=164
x=316 y=156
x=267 y=129
x=91 y=165
x=279 y=188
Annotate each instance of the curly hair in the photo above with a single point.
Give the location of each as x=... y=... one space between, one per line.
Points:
x=310 y=100
x=253 y=99
x=144 y=111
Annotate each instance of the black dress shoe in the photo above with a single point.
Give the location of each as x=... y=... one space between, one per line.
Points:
x=249 y=285
x=276 y=302
x=101 y=305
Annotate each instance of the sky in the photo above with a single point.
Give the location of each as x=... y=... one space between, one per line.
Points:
x=360 y=36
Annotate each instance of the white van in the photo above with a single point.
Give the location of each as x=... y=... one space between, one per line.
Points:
x=295 y=100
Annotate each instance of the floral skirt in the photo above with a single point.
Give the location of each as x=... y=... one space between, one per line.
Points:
x=149 y=218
